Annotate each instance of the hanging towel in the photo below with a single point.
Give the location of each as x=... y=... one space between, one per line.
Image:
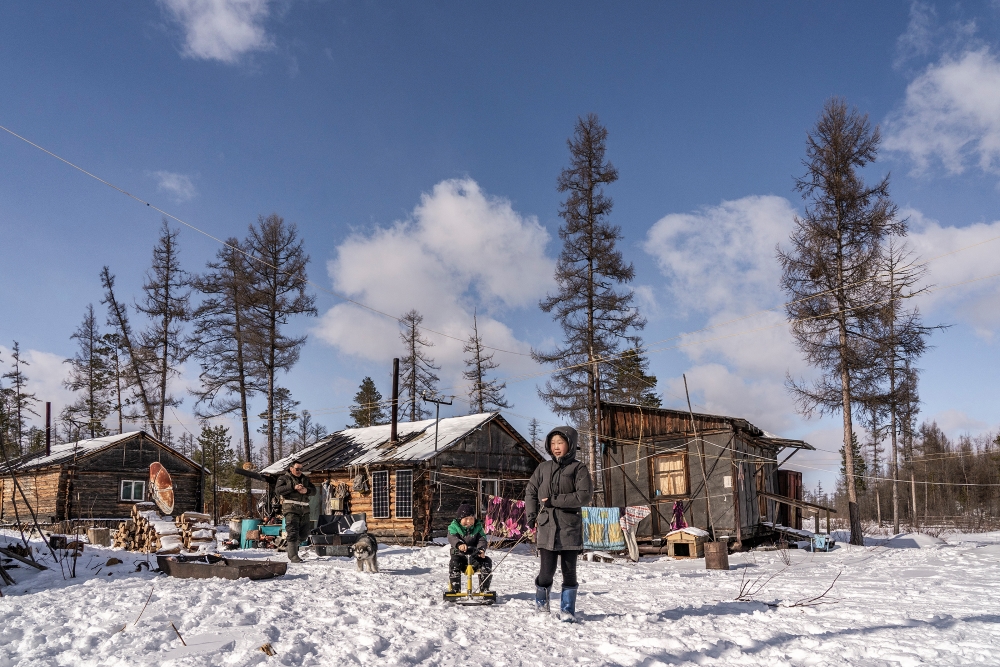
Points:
x=629 y=523
x=602 y=528
x=505 y=518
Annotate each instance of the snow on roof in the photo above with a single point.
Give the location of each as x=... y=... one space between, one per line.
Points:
x=68 y=450
x=690 y=530
x=361 y=446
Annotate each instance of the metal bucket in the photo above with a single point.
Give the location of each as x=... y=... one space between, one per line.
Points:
x=716 y=555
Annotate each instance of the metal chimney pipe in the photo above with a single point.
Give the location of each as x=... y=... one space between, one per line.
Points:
x=48 y=428
x=395 y=400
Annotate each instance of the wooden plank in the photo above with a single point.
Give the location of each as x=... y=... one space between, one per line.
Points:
x=11 y=554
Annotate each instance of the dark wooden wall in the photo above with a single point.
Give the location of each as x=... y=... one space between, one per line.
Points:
x=728 y=450
x=91 y=488
x=490 y=453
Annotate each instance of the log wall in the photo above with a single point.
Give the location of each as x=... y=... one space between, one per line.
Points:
x=91 y=488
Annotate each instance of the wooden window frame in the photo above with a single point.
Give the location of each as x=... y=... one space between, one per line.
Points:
x=388 y=495
x=653 y=477
x=131 y=483
x=408 y=500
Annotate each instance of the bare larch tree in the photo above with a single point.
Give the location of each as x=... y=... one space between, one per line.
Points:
x=484 y=394
x=596 y=316
x=137 y=375
x=224 y=339
x=416 y=367
x=830 y=271
x=277 y=268
x=167 y=291
x=18 y=399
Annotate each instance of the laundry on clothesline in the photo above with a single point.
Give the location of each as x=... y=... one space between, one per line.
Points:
x=602 y=528
x=633 y=515
x=505 y=518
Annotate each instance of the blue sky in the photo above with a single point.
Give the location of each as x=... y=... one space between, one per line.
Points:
x=417 y=147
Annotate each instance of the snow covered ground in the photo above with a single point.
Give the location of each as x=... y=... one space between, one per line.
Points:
x=903 y=605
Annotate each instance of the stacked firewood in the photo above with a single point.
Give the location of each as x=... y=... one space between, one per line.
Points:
x=197 y=531
x=147 y=531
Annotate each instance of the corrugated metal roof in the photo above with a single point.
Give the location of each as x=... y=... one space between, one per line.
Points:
x=366 y=446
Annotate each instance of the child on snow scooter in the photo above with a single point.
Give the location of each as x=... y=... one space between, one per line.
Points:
x=552 y=501
x=468 y=547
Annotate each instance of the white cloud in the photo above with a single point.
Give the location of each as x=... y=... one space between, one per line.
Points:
x=976 y=303
x=720 y=266
x=720 y=262
x=223 y=30
x=45 y=372
x=956 y=423
x=951 y=114
x=179 y=186
x=460 y=250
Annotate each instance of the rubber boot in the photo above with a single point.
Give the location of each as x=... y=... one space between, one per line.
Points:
x=542 y=599
x=567 y=606
x=293 y=552
x=484 y=582
x=454 y=584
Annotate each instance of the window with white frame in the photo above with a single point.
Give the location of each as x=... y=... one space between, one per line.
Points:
x=380 y=494
x=404 y=494
x=133 y=491
x=487 y=488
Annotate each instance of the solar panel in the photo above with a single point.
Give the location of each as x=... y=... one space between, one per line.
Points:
x=380 y=494
x=404 y=494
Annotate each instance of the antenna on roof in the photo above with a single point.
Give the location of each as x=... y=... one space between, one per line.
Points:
x=395 y=400
x=438 y=402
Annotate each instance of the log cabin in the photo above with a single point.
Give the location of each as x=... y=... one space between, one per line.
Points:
x=412 y=487
x=99 y=479
x=651 y=456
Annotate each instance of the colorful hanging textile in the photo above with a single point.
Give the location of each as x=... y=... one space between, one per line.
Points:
x=633 y=515
x=602 y=528
x=505 y=518
x=629 y=522
x=678 y=521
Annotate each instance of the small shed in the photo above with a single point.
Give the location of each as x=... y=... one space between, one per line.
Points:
x=659 y=457
x=412 y=487
x=99 y=479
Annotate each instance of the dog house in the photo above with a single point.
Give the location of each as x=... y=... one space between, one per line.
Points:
x=687 y=543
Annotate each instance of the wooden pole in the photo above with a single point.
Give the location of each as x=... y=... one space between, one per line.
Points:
x=704 y=468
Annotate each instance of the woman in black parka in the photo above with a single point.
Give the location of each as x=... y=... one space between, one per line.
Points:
x=552 y=501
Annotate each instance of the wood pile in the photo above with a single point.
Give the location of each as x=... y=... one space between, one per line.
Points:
x=197 y=532
x=149 y=532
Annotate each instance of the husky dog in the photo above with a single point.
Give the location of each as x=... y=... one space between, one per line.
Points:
x=366 y=551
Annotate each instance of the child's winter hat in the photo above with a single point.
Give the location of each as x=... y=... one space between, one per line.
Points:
x=464 y=510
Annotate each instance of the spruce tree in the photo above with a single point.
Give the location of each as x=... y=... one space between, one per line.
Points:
x=484 y=394
x=829 y=272
x=629 y=380
x=215 y=452
x=20 y=400
x=278 y=280
x=368 y=409
x=416 y=367
x=534 y=432
x=91 y=375
x=597 y=316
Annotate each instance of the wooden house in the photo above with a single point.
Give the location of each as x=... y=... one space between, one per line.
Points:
x=96 y=480
x=651 y=456
x=411 y=488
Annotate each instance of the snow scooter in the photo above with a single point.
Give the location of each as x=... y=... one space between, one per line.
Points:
x=469 y=596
